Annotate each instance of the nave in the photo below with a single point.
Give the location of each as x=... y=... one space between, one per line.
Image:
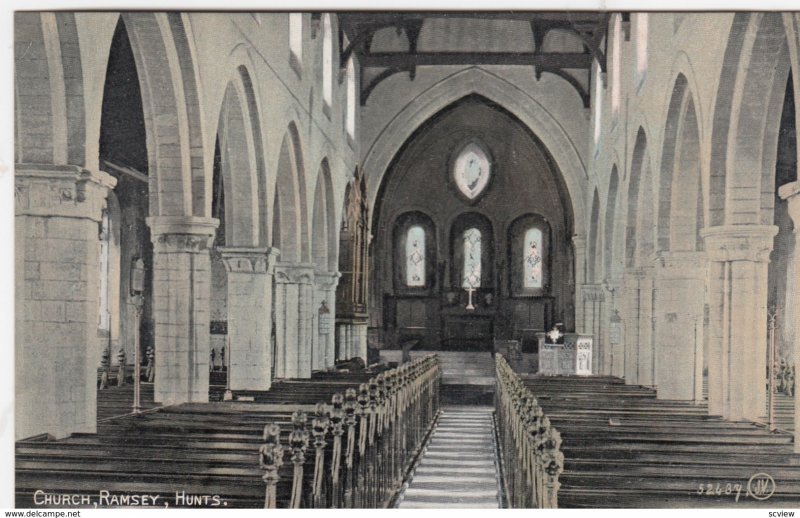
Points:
x=385 y=441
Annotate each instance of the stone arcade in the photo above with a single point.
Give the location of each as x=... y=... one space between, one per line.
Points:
x=295 y=190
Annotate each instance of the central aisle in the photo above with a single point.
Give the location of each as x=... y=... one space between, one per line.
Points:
x=458 y=468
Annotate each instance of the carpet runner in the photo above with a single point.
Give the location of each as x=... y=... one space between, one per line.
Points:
x=458 y=468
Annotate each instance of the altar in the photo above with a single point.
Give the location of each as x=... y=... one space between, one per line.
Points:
x=565 y=354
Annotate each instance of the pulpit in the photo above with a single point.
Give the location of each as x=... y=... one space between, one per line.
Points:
x=569 y=354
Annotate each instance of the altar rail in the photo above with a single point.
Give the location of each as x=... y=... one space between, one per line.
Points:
x=529 y=444
x=358 y=449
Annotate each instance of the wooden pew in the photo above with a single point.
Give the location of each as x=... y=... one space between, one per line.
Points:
x=623 y=447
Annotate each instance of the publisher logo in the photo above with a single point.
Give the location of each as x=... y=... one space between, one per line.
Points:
x=761 y=486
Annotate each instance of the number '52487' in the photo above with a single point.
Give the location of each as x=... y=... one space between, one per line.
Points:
x=718 y=489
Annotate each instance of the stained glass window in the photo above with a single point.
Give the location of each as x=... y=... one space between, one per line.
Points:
x=415 y=257
x=472 y=259
x=471 y=170
x=532 y=265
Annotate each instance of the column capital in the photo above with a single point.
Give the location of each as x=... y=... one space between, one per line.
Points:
x=686 y=262
x=182 y=233
x=256 y=260
x=739 y=242
x=60 y=190
x=294 y=273
x=327 y=280
x=594 y=292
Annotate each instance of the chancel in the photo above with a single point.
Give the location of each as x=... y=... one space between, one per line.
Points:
x=407 y=259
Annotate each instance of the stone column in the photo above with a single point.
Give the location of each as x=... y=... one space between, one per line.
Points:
x=614 y=352
x=58 y=211
x=579 y=246
x=737 y=292
x=791 y=193
x=351 y=334
x=592 y=302
x=324 y=343
x=249 y=316
x=294 y=299
x=181 y=293
x=679 y=281
x=638 y=324
x=629 y=315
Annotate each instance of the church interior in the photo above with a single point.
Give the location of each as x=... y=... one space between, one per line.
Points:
x=406 y=259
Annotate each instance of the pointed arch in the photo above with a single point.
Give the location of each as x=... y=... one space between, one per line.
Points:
x=324 y=239
x=477 y=81
x=680 y=204
x=242 y=163
x=591 y=258
x=290 y=216
x=747 y=120
x=170 y=95
x=609 y=236
x=639 y=237
x=48 y=90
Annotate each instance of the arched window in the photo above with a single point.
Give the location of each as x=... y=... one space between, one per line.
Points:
x=533 y=268
x=351 y=99
x=529 y=256
x=616 y=65
x=415 y=257
x=296 y=36
x=641 y=44
x=598 y=101
x=472 y=259
x=471 y=170
x=327 y=60
x=415 y=254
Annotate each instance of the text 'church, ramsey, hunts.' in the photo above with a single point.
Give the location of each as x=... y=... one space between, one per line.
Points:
x=406 y=259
